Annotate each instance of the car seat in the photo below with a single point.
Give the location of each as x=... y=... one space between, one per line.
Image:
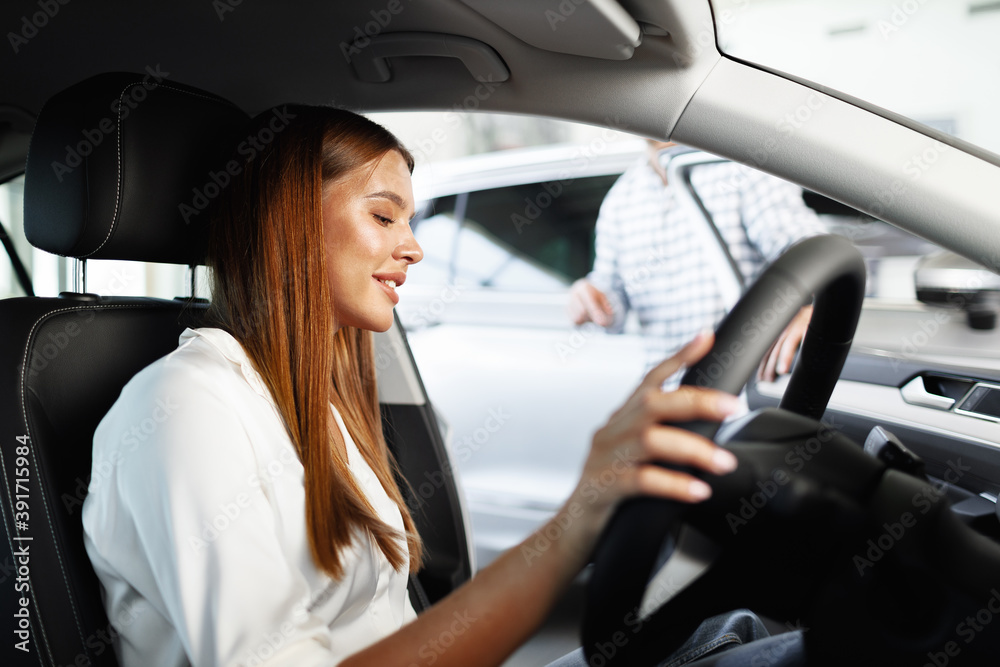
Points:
x=122 y=166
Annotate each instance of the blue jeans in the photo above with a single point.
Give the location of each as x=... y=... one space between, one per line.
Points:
x=735 y=639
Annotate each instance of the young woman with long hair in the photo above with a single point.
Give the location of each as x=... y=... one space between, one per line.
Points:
x=258 y=521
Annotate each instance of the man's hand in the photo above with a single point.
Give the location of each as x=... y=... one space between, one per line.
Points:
x=589 y=304
x=778 y=359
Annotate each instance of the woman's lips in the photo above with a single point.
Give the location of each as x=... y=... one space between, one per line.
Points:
x=391 y=291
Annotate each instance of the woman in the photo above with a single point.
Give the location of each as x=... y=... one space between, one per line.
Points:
x=259 y=521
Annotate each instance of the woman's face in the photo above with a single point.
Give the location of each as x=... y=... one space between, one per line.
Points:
x=369 y=244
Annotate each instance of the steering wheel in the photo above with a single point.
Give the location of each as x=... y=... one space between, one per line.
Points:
x=627 y=554
x=808 y=527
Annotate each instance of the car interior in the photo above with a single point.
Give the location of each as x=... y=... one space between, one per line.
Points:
x=118 y=115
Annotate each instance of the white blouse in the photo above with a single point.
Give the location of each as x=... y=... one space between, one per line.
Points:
x=195 y=524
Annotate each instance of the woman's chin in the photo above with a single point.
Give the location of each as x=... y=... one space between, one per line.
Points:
x=377 y=325
x=378 y=322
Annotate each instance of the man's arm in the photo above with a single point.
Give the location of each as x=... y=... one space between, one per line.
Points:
x=774 y=213
x=600 y=297
x=775 y=217
x=779 y=357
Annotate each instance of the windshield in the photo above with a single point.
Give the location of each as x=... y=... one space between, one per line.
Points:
x=933 y=61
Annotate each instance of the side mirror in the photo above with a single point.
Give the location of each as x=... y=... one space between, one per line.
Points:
x=948 y=280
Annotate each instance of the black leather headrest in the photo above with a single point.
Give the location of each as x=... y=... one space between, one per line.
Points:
x=123 y=166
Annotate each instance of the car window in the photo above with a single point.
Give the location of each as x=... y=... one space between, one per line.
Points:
x=486 y=308
x=540 y=237
x=924 y=60
x=891 y=254
x=51 y=274
x=121 y=278
x=534 y=237
x=11 y=207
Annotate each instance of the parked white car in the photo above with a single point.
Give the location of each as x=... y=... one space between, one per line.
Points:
x=520 y=387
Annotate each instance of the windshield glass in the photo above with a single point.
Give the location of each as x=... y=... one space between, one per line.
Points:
x=934 y=61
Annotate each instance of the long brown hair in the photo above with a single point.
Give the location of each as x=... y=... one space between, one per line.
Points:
x=270 y=291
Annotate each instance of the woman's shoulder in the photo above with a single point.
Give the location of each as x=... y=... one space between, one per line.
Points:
x=208 y=380
x=205 y=359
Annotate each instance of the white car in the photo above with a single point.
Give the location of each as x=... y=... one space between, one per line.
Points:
x=506 y=233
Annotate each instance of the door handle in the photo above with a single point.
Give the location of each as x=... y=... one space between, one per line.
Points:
x=915 y=393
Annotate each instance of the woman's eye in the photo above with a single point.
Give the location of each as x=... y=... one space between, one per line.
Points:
x=382 y=219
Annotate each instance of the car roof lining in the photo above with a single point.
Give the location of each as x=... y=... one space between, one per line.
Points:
x=262 y=55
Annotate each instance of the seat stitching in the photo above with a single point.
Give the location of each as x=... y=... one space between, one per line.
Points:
x=118 y=191
x=27 y=426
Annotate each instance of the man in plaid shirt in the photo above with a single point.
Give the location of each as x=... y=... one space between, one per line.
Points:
x=653 y=255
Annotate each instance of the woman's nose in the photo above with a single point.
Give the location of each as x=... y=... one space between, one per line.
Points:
x=408 y=248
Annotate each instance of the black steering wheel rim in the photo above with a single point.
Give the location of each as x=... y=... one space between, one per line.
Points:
x=828 y=267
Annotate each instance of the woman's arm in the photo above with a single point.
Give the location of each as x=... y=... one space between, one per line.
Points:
x=485 y=620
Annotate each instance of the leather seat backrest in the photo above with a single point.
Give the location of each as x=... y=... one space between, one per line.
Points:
x=124 y=167
x=117 y=169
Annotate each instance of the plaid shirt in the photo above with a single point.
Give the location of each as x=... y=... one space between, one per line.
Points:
x=651 y=255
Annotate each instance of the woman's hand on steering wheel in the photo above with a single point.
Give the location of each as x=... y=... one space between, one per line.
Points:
x=624 y=453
